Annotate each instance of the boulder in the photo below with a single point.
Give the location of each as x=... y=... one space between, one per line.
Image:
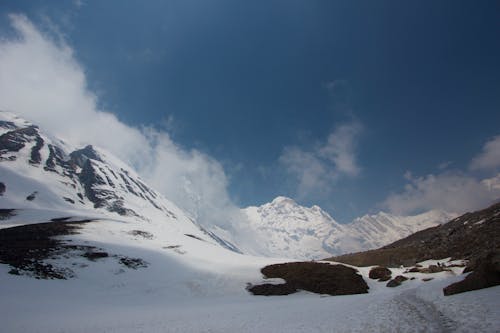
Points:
x=381 y=273
x=396 y=281
x=321 y=278
x=486 y=274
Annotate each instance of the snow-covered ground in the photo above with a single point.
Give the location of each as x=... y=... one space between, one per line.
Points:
x=193 y=285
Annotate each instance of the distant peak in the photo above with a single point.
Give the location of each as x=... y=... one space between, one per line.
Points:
x=283 y=200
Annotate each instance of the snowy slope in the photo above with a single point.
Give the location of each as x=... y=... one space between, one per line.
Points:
x=294 y=231
x=40 y=173
x=185 y=281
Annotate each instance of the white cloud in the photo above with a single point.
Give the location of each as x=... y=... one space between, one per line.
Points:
x=489 y=158
x=41 y=80
x=449 y=191
x=318 y=168
x=452 y=191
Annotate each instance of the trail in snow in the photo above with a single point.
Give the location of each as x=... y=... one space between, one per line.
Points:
x=426 y=312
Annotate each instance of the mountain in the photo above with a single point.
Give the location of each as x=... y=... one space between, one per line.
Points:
x=87 y=246
x=42 y=173
x=294 y=231
x=471 y=236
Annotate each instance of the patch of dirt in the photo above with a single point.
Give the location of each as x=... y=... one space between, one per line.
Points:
x=321 y=278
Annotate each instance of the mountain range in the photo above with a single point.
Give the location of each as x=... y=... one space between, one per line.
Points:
x=40 y=171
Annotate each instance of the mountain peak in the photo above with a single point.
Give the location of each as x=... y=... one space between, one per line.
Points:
x=281 y=200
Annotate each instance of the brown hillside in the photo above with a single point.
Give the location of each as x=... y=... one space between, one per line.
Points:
x=470 y=236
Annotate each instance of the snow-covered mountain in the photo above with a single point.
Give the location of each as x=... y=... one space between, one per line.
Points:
x=291 y=230
x=40 y=172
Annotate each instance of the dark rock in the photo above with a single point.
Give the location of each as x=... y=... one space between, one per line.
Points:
x=380 y=273
x=319 y=278
x=69 y=200
x=141 y=233
x=133 y=263
x=400 y=278
x=15 y=140
x=32 y=196
x=26 y=247
x=95 y=255
x=427 y=279
x=396 y=281
x=486 y=274
x=414 y=270
x=3 y=188
x=36 y=157
x=268 y=289
x=393 y=283
x=80 y=156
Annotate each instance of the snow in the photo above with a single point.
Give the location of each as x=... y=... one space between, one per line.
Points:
x=291 y=230
x=203 y=290
x=191 y=282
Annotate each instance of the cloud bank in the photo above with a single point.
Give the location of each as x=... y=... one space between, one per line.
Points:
x=455 y=192
x=317 y=169
x=450 y=191
x=489 y=158
x=41 y=81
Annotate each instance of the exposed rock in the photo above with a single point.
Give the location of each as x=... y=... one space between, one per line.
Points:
x=427 y=279
x=393 y=283
x=26 y=247
x=32 y=196
x=319 y=278
x=36 y=157
x=396 y=281
x=268 y=289
x=95 y=255
x=141 y=233
x=486 y=274
x=3 y=188
x=432 y=269
x=380 y=273
x=15 y=140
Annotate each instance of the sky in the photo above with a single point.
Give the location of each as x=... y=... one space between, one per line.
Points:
x=356 y=106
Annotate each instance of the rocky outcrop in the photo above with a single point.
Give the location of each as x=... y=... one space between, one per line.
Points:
x=485 y=273
x=321 y=278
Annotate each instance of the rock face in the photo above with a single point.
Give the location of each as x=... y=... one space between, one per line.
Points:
x=485 y=273
x=380 y=273
x=319 y=278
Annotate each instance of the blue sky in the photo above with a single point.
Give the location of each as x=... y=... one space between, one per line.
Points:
x=336 y=103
